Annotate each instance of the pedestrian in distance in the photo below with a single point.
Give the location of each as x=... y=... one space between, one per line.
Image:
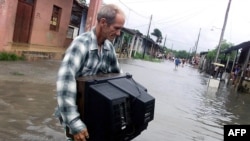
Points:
x=236 y=74
x=216 y=70
x=89 y=54
x=183 y=62
x=177 y=62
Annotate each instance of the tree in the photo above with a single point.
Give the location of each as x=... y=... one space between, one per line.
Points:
x=157 y=33
x=224 y=45
x=181 y=54
x=127 y=38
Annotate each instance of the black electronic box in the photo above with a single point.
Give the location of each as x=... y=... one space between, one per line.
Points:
x=114 y=107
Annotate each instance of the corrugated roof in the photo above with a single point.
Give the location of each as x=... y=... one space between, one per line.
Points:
x=236 y=47
x=204 y=52
x=132 y=31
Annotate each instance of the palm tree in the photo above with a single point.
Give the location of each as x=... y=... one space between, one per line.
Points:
x=158 y=35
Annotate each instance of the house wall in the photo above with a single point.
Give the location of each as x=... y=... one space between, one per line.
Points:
x=141 y=47
x=7 y=15
x=91 y=21
x=40 y=32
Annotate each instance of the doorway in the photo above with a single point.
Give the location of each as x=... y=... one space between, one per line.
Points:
x=23 y=21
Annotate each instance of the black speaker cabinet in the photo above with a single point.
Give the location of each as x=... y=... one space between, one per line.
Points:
x=114 y=106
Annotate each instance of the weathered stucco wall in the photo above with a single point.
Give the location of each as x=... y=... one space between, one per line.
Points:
x=7 y=22
x=41 y=33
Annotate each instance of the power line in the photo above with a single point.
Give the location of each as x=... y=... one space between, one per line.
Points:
x=133 y=10
x=175 y=20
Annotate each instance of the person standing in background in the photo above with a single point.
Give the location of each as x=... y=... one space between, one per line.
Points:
x=177 y=62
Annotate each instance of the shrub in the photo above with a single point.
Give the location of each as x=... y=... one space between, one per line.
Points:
x=5 y=56
x=146 y=57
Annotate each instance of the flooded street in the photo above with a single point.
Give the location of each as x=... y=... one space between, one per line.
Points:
x=185 y=110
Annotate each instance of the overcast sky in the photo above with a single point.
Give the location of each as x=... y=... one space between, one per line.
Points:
x=180 y=20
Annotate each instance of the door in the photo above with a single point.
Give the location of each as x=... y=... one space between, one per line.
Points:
x=23 y=21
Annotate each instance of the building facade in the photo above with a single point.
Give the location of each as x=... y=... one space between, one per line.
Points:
x=34 y=25
x=47 y=27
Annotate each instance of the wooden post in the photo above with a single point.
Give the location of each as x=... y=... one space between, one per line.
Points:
x=132 y=46
x=243 y=70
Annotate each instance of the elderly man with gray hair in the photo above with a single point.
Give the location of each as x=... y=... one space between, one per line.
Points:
x=89 y=54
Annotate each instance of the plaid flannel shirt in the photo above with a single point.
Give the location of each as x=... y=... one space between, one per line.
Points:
x=81 y=59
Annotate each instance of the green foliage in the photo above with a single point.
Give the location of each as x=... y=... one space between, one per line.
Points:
x=157 y=33
x=146 y=57
x=166 y=50
x=232 y=55
x=181 y=54
x=4 y=56
x=127 y=38
x=211 y=55
x=224 y=46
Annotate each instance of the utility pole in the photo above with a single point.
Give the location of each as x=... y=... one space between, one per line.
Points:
x=189 y=52
x=144 y=51
x=222 y=31
x=165 y=40
x=197 y=42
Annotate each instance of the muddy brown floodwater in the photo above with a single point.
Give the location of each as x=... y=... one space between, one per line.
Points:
x=27 y=101
x=185 y=109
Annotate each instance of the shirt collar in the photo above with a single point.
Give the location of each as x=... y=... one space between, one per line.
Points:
x=94 y=45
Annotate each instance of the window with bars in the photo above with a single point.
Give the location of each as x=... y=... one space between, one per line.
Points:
x=55 y=18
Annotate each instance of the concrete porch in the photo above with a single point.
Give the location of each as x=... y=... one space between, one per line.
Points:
x=34 y=52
